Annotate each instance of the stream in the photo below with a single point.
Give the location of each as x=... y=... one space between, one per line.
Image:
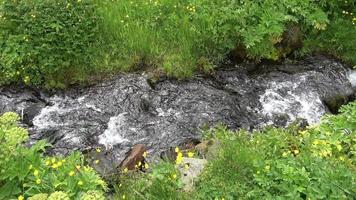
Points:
x=128 y=110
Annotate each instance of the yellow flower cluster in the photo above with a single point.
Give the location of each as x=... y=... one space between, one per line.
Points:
x=191 y=8
x=53 y=163
x=179 y=158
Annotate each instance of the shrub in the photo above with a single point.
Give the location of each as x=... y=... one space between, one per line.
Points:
x=49 y=42
x=27 y=172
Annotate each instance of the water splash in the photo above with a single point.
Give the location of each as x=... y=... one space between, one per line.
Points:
x=352 y=78
x=292 y=99
x=112 y=135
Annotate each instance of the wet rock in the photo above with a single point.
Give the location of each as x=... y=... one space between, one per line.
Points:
x=190 y=169
x=202 y=148
x=30 y=112
x=134 y=157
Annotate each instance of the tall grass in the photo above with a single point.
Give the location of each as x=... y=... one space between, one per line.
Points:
x=158 y=34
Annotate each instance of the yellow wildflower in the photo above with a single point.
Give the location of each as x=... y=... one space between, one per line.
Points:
x=53 y=160
x=190 y=154
x=78 y=167
x=38 y=181
x=88 y=168
x=97 y=161
x=98 y=150
x=339 y=147
x=176 y=149
x=146 y=166
x=174 y=176
x=144 y=154
x=186 y=166
x=71 y=173
x=30 y=167
x=123 y=197
x=296 y=152
x=80 y=182
x=48 y=162
x=36 y=172
x=126 y=170
x=21 y=197
x=54 y=166
x=59 y=163
x=179 y=159
x=342 y=158
x=267 y=167
x=285 y=154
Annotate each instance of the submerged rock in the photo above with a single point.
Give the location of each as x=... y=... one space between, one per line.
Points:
x=126 y=111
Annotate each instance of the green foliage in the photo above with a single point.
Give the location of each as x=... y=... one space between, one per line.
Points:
x=316 y=163
x=339 y=38
x=93 y=195
x=39 y=197
x=161 y=183
x=176 y=35
x=58 y=196
x=27 y=172
x=49 y=42
x=60 y=42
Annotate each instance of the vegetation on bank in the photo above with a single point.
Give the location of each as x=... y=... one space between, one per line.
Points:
x=25 y=173
x=55 y=43
x=317 y=162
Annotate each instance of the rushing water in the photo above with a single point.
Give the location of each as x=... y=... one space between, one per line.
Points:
x=120 y=113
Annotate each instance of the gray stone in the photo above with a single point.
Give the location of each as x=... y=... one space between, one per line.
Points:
x=190 y=169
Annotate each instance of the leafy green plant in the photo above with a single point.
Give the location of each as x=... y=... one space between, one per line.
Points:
x=160 y=183
x=338 y=38
x=26 y=172
x=50 y=42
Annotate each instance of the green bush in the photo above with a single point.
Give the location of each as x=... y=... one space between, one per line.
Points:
x=316 y=163
x=49 y=42
x=339 y=39
x=26 y=172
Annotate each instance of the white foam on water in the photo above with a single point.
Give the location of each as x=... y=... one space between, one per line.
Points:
x=45 y=118
x=352 y=78
x=112 y=135
x=48 y=115
x=306 y=104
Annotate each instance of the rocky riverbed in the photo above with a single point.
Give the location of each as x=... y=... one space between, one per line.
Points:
x=130 y=110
